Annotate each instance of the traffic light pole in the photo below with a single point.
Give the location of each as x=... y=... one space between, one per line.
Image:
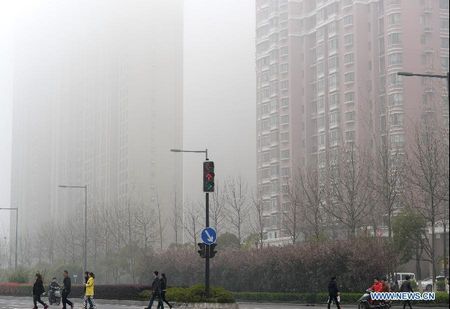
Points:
x=207 y=225
x=207 y=254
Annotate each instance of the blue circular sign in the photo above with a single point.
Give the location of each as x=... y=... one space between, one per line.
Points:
x=209 y=236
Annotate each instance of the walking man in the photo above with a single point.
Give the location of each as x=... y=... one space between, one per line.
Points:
x=156 y=291
x=333 y=293
x=67 y=286
x=406 y=287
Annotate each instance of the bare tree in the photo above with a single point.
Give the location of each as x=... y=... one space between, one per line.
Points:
x=349 y=189
x=313 y=194
x=387 y=172
x=258 y=208
x=217 y=206
x=292 y=210
x=427 y=176
x=238 y=206
x=192 y=224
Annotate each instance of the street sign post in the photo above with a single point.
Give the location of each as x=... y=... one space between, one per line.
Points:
x=209 y=236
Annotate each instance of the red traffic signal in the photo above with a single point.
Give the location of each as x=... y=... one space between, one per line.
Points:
x=208 y=176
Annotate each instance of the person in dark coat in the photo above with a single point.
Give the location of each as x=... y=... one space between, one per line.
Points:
x=156 y=291
x=164 y=290
x=67 y=286
x=38 y=290
x=406 y=287
x=333 y=293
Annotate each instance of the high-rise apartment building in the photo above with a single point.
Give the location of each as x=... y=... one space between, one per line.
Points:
x=97 y=102
x=327 y=76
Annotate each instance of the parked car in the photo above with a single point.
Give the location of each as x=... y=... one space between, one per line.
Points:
x=400 y=277
x=427 y=284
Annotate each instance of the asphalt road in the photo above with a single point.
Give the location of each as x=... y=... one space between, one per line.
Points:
x=26 y=302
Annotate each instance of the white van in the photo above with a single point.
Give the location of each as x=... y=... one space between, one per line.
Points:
x=400 y=277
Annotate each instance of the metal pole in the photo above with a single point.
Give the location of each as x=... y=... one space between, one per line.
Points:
x=17 y=238
x=207 y=254
x=85 y=228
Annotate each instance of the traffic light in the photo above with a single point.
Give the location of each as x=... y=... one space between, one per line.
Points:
x=202 y=250
x=211 y=251
x=208 y=176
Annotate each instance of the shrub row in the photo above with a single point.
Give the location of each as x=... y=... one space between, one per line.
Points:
x=125 y=292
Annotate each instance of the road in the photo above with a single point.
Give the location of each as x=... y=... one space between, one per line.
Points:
x=26 y=303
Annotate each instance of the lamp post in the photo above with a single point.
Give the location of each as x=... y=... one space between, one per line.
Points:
x=206 y=216
x=444 y=225
x=85 y=219
x=17 y=232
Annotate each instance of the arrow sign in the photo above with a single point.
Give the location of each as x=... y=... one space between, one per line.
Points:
x=209 y=236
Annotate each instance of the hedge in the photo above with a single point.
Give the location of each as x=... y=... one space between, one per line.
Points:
x=120 y=292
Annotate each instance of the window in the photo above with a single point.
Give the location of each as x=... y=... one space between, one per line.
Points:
x=334 y=136
x=274 y=137
x=444 y=63
x=284 y=119
x=321 y=123
x=284 y=51
x=394 y=39
x=274 y=154
x=285 y=172
x=332 y=63
x=320 y=103
x=396 y=119
x=397 y=140
x=350 y=136
x=334 y=118
x=275 y=170
x=349 y=77
x=320 y=34
x=284 y=137
x=274 y=121
x=395 y=59
x=331 y=28
x=321 y=140
x=394 y=80
x=320 y=69
x=284 y=84
x=349 y=97
x=332 y=44
x=350 y=116
x=443 y=4
x=395 y=99
x=321 y=85
x=265 y=173
x=265 y=124
x=444 y=42
x=320 y=51
x=347 y=20
x=284 y=102
x=394 y=19
x=285 y=154
x=348 y=40
x=444 y=23
x=348 y=58
x=332 y=81
x=333 y=100
x=265 y=157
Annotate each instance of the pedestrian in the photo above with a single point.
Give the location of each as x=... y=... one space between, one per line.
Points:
x=156 y=291
x=163 y=290
x=67 y=286
x=333 y=293
x=406 y=287
x=86 y=278
x=89 y=294
x=38 y=290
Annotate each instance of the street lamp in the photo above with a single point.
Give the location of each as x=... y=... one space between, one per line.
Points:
x=17 y=232
x=85 y=218
x=206 y=216
x=409 y=74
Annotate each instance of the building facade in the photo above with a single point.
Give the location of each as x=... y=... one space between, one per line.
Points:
x=327 y=77
x=97 y=102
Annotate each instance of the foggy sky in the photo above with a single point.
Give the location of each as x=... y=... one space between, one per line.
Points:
x=219 y=90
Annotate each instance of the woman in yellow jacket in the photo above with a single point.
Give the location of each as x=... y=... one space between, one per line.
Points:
x=90 y=291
